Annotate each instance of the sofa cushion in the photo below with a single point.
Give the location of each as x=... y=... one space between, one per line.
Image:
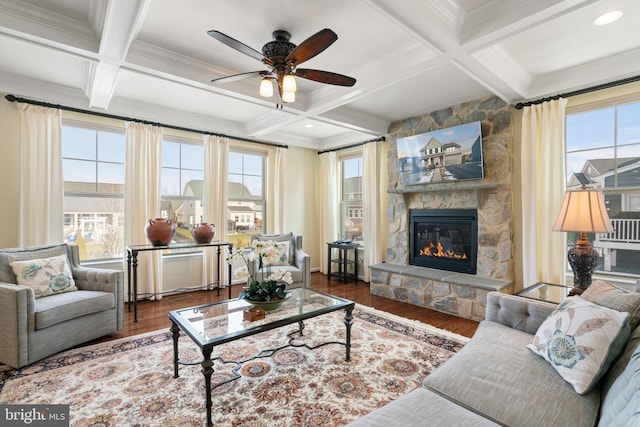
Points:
x=620 y=388
x=497 y=376
x=610 y=296
x=22 y=254
x=422 y=407
x=62 y=307
x=580 y=339
x=296 y=273
x=46 y=276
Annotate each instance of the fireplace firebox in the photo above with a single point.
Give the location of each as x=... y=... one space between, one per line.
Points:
x=446 y=239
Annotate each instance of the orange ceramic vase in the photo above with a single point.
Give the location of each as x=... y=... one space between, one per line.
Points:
x=160 y=231
x=203 y=232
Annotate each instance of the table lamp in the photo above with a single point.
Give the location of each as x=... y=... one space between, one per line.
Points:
x=583 y=211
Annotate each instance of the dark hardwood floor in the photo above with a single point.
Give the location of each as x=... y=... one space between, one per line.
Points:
x=152 y=315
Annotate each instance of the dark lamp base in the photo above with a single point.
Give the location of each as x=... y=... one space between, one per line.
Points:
x=583 y=260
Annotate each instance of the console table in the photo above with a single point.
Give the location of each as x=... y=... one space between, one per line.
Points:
x=132 y=266
x=343 y=260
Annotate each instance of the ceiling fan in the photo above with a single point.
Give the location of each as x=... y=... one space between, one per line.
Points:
x=283 y=58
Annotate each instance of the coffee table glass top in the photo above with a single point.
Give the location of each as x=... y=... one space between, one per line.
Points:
x=224 y=321
x=546 y=292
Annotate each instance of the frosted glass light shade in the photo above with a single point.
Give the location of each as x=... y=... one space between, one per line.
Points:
x=266 y=88
x=583 y=211
x=288 y=96
x=289 y=83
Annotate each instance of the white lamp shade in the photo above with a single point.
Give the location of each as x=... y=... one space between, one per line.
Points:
x=583 y=211
x=288 y=96
x=266 y=88
x=289 y=83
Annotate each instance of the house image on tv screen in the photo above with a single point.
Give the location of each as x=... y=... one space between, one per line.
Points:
x=450 y=154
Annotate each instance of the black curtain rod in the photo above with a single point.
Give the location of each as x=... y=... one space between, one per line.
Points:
x=521 y=105
x=381 y=138
x=13 y=98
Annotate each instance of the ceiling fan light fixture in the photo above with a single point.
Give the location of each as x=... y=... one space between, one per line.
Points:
x=289 y=83
x=266 y=87
x=288 y=96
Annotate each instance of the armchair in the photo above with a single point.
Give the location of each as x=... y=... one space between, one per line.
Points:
x=299 y=261
x=33 y=328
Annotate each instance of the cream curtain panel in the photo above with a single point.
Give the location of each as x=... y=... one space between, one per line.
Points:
x=329 y=202
x=41 y=180
x=279 y=199
x=374 y=202
x=142 y=199
x=216 y=167
x=543 y=183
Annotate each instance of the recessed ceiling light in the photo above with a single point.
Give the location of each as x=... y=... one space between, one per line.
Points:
x=308 y=125
x=608 y=18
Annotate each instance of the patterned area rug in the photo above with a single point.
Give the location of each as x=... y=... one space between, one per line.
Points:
x=130 y=381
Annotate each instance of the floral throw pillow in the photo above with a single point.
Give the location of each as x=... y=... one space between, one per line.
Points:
x=283 y=248
x=46 y=276
x=580 y=339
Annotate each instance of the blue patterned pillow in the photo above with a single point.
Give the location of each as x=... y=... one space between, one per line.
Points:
x=580 y=340
x=46 y=276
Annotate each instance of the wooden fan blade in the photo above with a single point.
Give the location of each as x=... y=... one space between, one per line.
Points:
x=236 y=77
x=239 y=46
x=325 y=77
x=312 y=46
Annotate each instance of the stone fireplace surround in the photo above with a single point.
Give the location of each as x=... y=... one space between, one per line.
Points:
x=463 y=295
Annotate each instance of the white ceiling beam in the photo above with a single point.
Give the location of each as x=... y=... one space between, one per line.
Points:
x=120 y=26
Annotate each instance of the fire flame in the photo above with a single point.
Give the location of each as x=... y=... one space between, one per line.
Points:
x=440 y=252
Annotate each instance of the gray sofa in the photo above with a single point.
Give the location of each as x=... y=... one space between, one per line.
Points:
x=33 y=328
x=496 y=380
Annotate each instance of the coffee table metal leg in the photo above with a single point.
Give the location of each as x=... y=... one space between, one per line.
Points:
x=207 y=370
x=175 y=332
x=348 y=321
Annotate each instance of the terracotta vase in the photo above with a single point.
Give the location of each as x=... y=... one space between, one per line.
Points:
x=160 y=231
x=203 y=232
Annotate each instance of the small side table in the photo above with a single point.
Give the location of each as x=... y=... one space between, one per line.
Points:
x=549 y=292
x=343 y=261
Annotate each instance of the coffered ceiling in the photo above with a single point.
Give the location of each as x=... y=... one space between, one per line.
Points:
x=153 y=59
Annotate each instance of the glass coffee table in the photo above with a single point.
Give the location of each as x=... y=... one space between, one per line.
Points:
x=214 y=324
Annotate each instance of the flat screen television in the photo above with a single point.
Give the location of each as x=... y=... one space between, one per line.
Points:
x=444 y=155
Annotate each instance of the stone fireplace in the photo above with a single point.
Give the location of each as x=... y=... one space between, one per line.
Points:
x=462 y=293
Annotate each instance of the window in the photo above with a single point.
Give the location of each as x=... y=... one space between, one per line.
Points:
x=351 y=218
x=93 y=172
x=604 y=144
x=181 y=186
x=246 y=196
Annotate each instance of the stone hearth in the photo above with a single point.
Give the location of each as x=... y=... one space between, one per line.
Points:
x=460 y=294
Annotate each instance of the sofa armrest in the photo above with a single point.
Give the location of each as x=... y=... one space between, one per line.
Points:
x=17 y=318
x=303 y=262
x=517 y=312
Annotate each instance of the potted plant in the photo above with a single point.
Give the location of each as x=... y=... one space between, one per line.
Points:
x=266 y=291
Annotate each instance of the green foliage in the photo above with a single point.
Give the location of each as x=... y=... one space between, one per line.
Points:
x=264 y=291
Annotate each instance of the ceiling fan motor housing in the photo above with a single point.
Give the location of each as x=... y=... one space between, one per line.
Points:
x=280 y=47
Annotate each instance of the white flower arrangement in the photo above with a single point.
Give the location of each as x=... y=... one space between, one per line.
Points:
x=266 y=253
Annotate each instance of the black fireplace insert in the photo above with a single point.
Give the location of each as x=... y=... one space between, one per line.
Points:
x=446 y=239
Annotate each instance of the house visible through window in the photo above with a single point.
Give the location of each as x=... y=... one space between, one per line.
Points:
x=604 y=144
x=93 y=171
x=351 y=218
x=181 y=186
x=246 y=196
